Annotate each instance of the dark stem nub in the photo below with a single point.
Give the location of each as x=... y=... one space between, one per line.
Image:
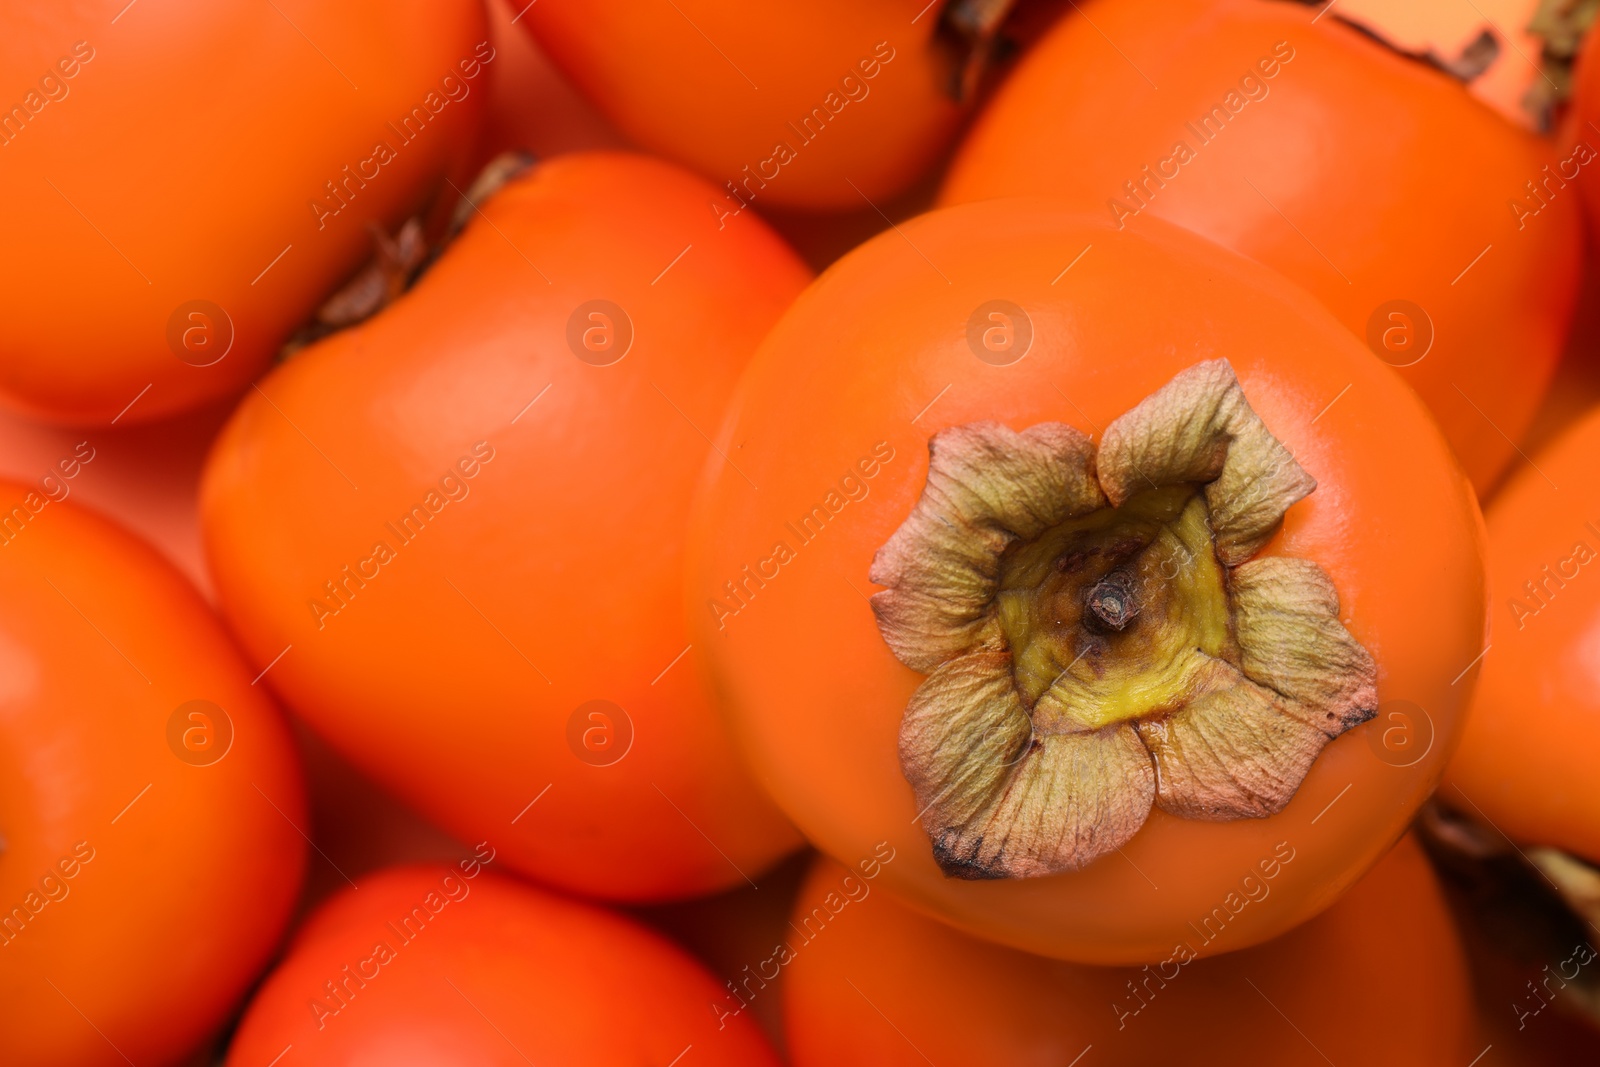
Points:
x=1112 y=603
x=971 y=32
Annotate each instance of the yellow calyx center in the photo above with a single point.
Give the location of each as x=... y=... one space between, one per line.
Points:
x=1116 y=615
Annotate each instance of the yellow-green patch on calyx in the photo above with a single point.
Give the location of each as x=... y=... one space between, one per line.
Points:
x=1098 y=637
x=1111 y=616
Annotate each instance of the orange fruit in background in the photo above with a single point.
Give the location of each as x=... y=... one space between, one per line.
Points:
x=1371 y=179
x=151 y=806
x=457 y=964
x=455 y=533
x=1380 y=977
x=146 y=478
x=1524 y=763
x=841 y=401
x=189 y=183
x=820 y=106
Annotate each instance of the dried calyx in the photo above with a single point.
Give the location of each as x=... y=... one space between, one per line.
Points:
x=1561 y=26
x=399 y=261
x=1526 y=902
x=1099 y=639
x=1541 y=81
x=972 y=32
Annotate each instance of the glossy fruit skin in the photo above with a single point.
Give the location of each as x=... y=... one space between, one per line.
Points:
x=1336 y=177
x=681 y=80
x=967 y=1001
x=1524 y=762
x=182 y=874
x=454 y=674
x=189 y=151
x=505 y=975
x=816 y=695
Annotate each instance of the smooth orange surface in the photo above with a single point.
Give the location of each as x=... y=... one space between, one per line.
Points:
x=451 y=672
x=1378 y=979
x=182 y=876
x=873 y=359
x=182 y=157
x=1365 y=176
x=481 y=970
x=1526 y=761
x=719 y=86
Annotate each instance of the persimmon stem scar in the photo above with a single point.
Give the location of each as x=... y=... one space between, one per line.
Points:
x=1112 y=602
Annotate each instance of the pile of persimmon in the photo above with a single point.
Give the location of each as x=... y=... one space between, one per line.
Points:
x=994 y=532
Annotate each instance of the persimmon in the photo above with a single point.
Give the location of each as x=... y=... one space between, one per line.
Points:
x=202 y=179
x=1434 y=228
x=1121 y=505
x=1523 y=763
x=457 y=964
x=151 y=805
x=866 y=980
x=810 y=105
x=453 y=536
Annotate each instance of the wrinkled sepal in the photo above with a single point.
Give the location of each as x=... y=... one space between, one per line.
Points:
x=1199 y=428
x=987 y=486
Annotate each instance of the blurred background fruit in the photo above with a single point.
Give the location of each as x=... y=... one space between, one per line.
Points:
x=1310 y=146
x=869 y=981
x=820 y=106
x=434 y=963
x=188 y=183
x=151 y=807
x=1525 y=760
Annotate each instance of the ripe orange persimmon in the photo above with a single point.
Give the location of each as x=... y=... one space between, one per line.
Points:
x=1054 y=631
x=455 y=964
x=187 y=184
x=1379 y=978
x=812 y=105
x=1525 y=760
x=151 y=804
x=1431 y=226
x=454 y=534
